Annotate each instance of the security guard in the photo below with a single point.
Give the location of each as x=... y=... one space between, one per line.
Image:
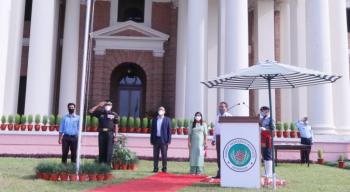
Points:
x=266 y=139
x=108 y=128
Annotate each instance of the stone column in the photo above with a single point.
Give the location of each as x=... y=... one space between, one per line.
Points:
x=340 y=65
x=69 y=69
x=181 y=59
x=42 y=57
x=236 y=51
x=196 y=55
x=320 y=97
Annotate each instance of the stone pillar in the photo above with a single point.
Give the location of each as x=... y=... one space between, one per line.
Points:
x=70 y=52
x=320 y=97
x=340 y=65
x=196 y=55
x=236 y=51
x=42 y=57
x=181 y=59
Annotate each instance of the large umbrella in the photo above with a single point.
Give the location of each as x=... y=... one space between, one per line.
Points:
x=271 y=75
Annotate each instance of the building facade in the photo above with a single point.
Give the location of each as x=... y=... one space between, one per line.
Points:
x=147 y=53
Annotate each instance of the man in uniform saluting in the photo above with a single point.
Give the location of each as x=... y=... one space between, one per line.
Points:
x=108 y=129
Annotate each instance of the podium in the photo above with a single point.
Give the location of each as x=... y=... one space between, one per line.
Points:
x=240 y=152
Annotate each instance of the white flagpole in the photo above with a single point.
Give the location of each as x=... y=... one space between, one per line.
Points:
x=83 y=79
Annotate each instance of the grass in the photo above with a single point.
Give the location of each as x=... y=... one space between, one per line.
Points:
x=17 y=174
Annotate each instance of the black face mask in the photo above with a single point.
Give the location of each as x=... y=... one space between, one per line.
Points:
x=71 y=111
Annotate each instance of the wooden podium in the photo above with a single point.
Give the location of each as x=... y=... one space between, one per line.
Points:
x=240 y=152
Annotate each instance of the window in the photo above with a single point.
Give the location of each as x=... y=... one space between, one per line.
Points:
x=133 y=10
x=348 y=19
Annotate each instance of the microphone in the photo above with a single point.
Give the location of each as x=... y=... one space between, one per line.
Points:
x=233 y=106
x=250 y=109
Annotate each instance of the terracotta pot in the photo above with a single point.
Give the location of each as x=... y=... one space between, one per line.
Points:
x=64 y=176
x=23 y=127
x=179 y=131
x=45 y=176
x=100 y=177
x=279 y=134
x=138 y=130
x=3 y=127
x=108 y=176
x=131 y=130
x=298 y=134
x=44 y=128
x=54 y=176
x=10 y=127
x=285 y=134
x=320 y=161
x=52 y=128
x=132 y=167
x=149 y=130
x=93 y=129
x=124 y=167
x=39 y=175
x=83 y=177
x=123 y=130
x=73 y=177
x=293 y=134
x=17 y=127
x=92 y=177
x=341 y=164
x=30 y=127
x=211 y=132
x=116 y=166
x=37 y=127
x=57 y=128
x=186 y=131
x=173 y=131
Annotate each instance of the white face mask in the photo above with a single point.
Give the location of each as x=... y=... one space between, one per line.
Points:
x=306 y=122
x=161 y=112
x=198 y=118
x=108 y=108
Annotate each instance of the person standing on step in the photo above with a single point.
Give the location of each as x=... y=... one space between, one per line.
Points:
x=197 y=143
x=223 y=112
x=107 y=129
x=160 y=138
x=266 y=139
x=68 y=134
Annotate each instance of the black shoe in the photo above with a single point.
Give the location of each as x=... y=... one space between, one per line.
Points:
x=155 y=171
x=164 y=170
x=216 y=177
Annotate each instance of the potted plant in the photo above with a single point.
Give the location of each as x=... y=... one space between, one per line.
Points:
x=186 y=127
x=23 y=122
x=3 y=123
x=37 y=122
x=320 y=159
x=298 y=134
x=150 y=126
x=211 y=130
x=131 y=125
x=63 y=172
x=58 y=122
x=17 y=125
x=138 y=125
x=173 y=126
x=341 y=162
x=91 y=170
x=44 y=170
x=10 y=122
x=71 y=169
x=52 y=122
x=279 y=129
x=94 y=124
x=83 y=175
x=123 y=124
x=55 y=172
x=133 y=162
x=45 y=121
x=87 y=123
x=292 y=130
x=105 y=170
x=285 y=130
x=145 y=125
x=180 y=125
x=30 y=123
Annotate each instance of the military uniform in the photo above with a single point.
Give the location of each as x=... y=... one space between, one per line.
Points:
x=107 y=122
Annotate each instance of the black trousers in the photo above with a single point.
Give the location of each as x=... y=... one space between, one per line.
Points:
x=105 y=146
x=304 y=154
x=218 y=154
x=69 y=143
x=266 y=153
x=163 y=149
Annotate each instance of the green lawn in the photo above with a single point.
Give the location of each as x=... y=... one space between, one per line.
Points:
x=16 y=174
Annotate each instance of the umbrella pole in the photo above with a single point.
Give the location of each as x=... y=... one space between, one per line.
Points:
x=269 y=78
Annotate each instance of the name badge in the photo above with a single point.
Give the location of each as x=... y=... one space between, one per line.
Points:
x=110 y=116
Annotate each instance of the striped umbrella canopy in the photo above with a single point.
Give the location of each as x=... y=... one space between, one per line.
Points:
x=271 y=75
x=279 y=75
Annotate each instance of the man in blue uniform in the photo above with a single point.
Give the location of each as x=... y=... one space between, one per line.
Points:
x=306 y=135
x=266 y=139
x=108 y=128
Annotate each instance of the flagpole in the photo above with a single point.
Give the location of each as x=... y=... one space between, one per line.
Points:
x=83 y=80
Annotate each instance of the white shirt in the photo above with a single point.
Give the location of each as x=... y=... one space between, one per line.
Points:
x=159 y=125
x=305 y=130
x=218 y=125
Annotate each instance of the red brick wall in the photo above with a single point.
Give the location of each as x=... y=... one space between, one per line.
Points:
x=278 y=98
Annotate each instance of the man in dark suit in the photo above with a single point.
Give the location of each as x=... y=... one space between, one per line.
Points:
x=160 y=138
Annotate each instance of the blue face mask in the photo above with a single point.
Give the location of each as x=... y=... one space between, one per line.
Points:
x=221 y=111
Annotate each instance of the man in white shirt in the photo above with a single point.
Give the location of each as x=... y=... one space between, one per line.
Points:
x=306 y=135
x=223 y=112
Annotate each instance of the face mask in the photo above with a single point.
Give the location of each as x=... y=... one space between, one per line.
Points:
x=161 y=112
x=306 y=122
x=198 y=118
x=222 y=111
x=108 y=108
x=71 y=111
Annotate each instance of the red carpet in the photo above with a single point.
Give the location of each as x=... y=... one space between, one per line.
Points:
x=161 y=182
x=264 y=182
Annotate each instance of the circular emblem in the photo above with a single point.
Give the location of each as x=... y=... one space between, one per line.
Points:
x=239 y=155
